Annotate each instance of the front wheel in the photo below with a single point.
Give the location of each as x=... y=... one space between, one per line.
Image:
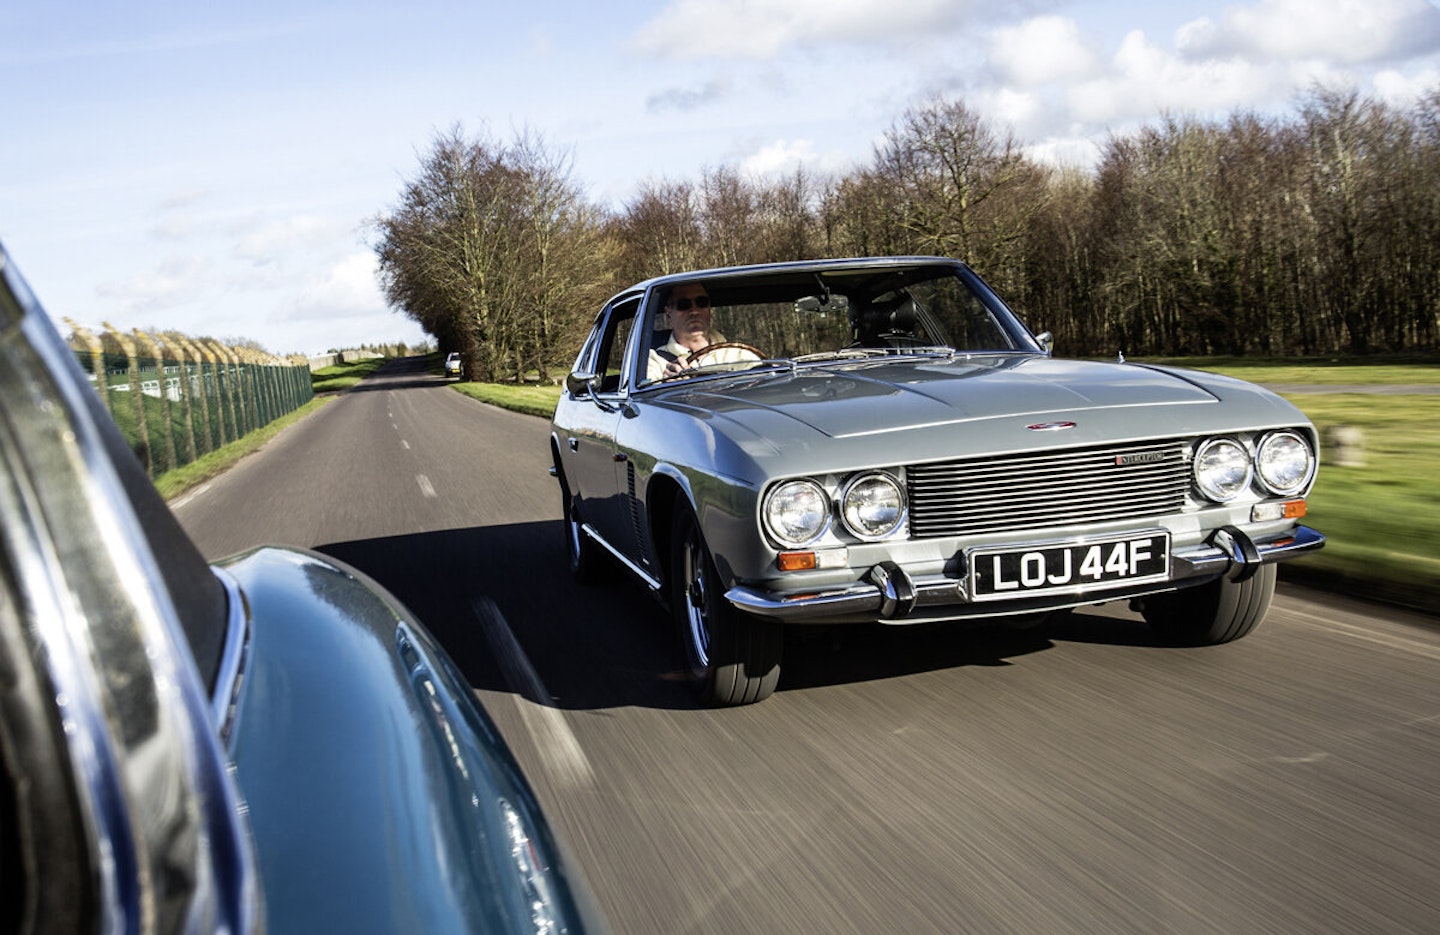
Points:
x=580 y=549
x=732 y=658
x=1217 y=612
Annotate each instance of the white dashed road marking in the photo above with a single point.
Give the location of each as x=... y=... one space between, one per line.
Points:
x=190 y=496
x=426 y=487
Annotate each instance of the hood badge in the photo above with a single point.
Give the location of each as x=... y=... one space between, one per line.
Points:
x=1050 y=426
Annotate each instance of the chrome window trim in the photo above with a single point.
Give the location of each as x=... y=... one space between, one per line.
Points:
x=233 y=659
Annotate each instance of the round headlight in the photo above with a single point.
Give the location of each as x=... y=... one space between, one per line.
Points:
x=872 y=506
x=1222 y=469
x=1284 y=463
x=797 y=512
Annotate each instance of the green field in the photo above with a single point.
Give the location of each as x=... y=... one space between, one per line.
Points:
x=1382 y=517
x=532 y=399
x=1333 y=371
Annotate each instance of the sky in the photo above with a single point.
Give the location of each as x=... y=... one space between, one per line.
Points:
x=217 y=168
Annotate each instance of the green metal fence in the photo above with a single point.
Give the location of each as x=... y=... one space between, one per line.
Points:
x=178 y=398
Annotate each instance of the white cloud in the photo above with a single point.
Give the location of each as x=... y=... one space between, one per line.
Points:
x=168 y=284
x=348 y=288
x=1400 y=90
x=783 y=157
x=761 y=29
x=1146 y=80
x=1016 y=109
x=266 y=244
x=1066 y=151
x=1042 y=50
x=1338 y=31
x=779 y=157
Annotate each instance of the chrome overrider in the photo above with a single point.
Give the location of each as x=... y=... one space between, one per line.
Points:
x=887 y=591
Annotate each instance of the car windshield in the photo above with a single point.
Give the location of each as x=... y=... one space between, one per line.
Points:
x=802 y=317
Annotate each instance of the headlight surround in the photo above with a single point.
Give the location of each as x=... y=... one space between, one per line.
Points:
x=1284 y=463
x=872 y=506
x=1223 y=469
x=797 y=512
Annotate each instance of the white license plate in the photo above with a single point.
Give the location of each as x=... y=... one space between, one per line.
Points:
x=1070 y=567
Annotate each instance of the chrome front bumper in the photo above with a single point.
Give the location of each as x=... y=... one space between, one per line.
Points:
x=888 y=594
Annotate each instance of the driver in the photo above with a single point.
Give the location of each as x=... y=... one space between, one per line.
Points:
x=687 y=312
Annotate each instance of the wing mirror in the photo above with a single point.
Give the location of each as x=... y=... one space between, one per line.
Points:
x=1046 y=340
x=581 y=383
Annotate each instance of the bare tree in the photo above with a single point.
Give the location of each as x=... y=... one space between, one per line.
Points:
x=486 y=251
x=953 y=174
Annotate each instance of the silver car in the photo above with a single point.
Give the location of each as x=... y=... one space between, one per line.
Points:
x=884 y=440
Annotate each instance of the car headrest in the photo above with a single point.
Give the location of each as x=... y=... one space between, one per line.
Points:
x=897 y=315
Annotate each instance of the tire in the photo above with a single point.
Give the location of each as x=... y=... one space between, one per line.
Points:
x=731 y=657
x=580 y=550
x=1213 y=613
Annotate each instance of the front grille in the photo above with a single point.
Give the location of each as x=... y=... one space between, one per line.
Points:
x=1049 y=488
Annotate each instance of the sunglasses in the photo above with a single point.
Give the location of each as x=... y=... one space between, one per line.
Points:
x=683 y=305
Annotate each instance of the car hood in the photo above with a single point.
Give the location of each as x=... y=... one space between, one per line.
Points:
x=992 y=403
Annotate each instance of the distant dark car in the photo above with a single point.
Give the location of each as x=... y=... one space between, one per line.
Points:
x=884 y=440
x=270 y=744
x=453 y=366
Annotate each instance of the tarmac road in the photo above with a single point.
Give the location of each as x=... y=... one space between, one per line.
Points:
x=1073 y=778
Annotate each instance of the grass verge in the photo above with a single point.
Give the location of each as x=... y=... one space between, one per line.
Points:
x=214 y=463
x=531 y=399
x=343 y=376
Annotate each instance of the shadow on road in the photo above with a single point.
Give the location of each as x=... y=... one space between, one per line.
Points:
x=611 y=645
x=406 y=382
x=591 y=648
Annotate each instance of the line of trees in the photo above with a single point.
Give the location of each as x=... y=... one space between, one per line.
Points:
x=1315 y=233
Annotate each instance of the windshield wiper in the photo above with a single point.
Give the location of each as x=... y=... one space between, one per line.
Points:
x=844 y=353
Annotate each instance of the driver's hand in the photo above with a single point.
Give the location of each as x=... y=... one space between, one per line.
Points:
x=676 y=366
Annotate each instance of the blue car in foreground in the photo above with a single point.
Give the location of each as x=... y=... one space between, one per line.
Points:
x=270 y=744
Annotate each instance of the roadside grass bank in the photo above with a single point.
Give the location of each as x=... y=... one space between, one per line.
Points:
x=326 y=382
x=173 y=483
x=531 y=399
x=343 y=376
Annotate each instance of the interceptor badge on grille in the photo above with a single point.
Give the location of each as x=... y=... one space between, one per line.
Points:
x=1140 y=457
x=1050 y=426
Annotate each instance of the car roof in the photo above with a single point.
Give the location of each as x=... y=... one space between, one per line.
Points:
x=847 y=264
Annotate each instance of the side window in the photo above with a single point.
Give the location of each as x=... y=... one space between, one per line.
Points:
x=610 y=353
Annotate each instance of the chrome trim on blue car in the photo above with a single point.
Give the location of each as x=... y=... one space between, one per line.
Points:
x=232 y=660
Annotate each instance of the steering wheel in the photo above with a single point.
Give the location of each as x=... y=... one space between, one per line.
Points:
x=693 y=358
